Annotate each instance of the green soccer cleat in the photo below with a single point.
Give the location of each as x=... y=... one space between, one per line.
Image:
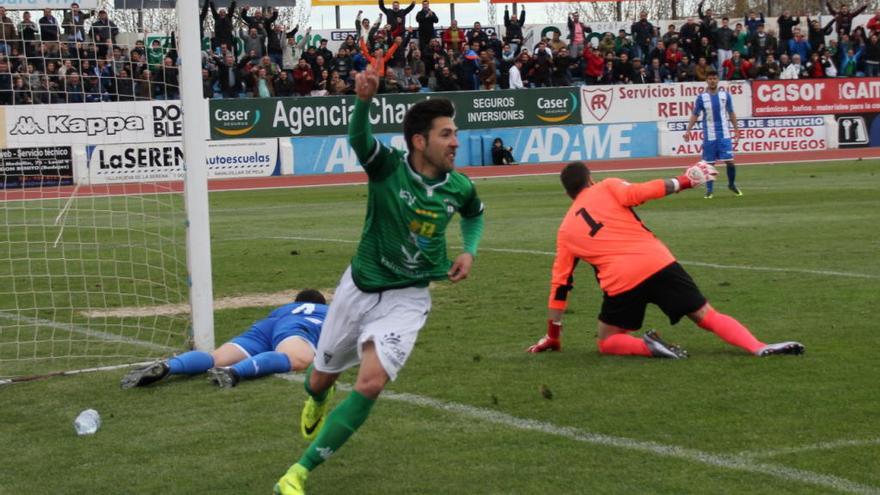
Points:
x=708 y=196
x=142 y=377
x=735 y=190
x=293 y=482
x=313 y=414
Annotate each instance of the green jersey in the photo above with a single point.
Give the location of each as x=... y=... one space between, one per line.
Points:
x=403 y=242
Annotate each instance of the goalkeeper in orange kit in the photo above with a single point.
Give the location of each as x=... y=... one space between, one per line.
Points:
x=633 y=268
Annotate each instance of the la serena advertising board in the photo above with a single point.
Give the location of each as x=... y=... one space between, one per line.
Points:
x=328 y=115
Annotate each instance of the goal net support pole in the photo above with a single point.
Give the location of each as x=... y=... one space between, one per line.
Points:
x=198 y=232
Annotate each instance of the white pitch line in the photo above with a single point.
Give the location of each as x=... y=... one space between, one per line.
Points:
x=734 y=462
x=827 y=273
x=69 y=327
x=807 y=448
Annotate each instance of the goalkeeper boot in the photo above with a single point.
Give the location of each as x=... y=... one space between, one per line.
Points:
x=142 y=377
x=313 y=414
x=734 y=190
x=293 y=482
x=794 y=348
x=659 y=348
x=224 y=377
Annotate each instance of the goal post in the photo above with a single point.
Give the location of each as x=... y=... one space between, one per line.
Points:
x=105 y=251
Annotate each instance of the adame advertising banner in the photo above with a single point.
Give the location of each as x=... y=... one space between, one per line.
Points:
x=116 y=163
x=333 y=155
x=763 y=135
x=654 y=102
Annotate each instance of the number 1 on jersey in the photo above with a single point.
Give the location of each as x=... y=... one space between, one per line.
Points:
x=594 y=225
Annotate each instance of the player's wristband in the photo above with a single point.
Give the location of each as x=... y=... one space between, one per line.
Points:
x=554 y=329
x=682 y=182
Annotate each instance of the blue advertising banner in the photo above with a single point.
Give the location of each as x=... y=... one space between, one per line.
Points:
x=333 y=155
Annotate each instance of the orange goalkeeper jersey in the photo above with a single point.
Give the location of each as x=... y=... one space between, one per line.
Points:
x=602 y=229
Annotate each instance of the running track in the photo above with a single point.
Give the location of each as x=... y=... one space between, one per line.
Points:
x=473 y=172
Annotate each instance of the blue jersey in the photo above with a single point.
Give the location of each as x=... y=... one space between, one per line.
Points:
x=298 y=319
x=716 y=109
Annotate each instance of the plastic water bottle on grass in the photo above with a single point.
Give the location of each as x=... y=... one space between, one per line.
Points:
x=87 y=423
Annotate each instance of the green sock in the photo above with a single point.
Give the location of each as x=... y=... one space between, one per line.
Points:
x=344 y=420
x=318 y=396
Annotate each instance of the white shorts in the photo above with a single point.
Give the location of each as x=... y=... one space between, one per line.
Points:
x=391 y=319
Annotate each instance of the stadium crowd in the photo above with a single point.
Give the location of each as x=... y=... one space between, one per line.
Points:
x=78 y=59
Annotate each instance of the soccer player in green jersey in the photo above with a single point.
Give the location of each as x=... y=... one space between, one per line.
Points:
x=382 y=300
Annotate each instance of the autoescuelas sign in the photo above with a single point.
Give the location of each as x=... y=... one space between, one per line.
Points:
x=653 y=102
x=816 y=96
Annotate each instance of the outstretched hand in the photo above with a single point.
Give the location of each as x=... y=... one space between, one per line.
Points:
x=366 y=83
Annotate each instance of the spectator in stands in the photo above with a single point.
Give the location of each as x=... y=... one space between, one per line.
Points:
x=426 y=19
x=229 y=76
x=73 y=88
x=417 y=65
x=843 y=17
x=275 y=41
x=850 y=62
x=669 y=36
x=103 y=31
x=689 y=34
x=378 y=59
x=708 y=24
x=410 y=83
x=477 y=35
x=8 y=35
x=706 y=50
x=686 y=70
x=514 y=76
x=27 y=28
x=593 y=65
x=563 y=63
x=446 y=80
x=872 y=56
x=815 y=68
x=762 y=43
x=501 y=155
x=223 y=26
x=798 y=45
x=391 y=83
x=769 y=69
x=488 y=76
x=724 y=39
x=792 y=70
x=208 y=81
x=293 y=50
x=73 y=23
x=606 y=45
x=642 y=33
x=736 y=68
x=254 y=43
x=702 y=69
x=555 y=44
x=786 y=22
x=817 y=33
x=577 y=32
x=303 y=78
x=170 y=77
x=740 y=39
x=513 y=28
x=48 y=26
x=396 y=16
x=622 y=44
x=752 y=21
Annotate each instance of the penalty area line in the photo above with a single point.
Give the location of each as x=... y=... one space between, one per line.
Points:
x=726 y=461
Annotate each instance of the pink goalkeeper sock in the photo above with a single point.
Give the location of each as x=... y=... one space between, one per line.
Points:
x=622 y=344
x=730 y=330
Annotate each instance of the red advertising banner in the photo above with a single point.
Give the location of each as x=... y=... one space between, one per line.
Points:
x=816 y=96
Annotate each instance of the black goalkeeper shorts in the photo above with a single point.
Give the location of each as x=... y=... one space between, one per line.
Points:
x=672 y=289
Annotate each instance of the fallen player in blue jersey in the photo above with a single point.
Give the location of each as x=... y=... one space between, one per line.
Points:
x=283 y=341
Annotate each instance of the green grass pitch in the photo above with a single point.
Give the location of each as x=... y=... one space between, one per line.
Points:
x=795 y=258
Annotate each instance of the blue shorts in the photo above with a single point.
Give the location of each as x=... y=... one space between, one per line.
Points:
x=264 y=337
x=717 y=150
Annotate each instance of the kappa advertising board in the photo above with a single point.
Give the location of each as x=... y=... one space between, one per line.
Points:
x=328 y=115
x=764 y=135
x=333 y=155
x=653 y=102
x=116 y=163
x=32 y=167
x=816 y=96
x=91 y=123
